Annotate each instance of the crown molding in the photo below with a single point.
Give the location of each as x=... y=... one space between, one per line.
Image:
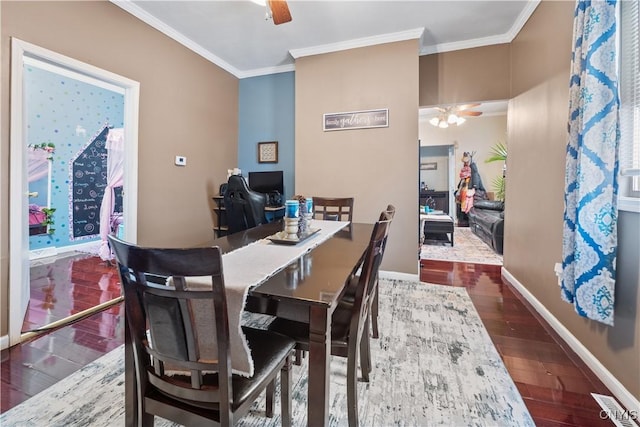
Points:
x=415 y=33
x=523 y=18
x=149 y=19
x=266 y=71
x=486 y=41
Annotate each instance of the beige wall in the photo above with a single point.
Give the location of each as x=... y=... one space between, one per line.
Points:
x=477 y=134
x=535 y=184
x=188 y=106
x=479 y=74
x=376 y=166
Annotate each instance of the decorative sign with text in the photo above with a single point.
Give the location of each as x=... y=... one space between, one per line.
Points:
x=356 y=120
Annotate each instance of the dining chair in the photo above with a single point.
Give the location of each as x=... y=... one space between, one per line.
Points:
x=244 y=207
x=350 y=320
x=391 y=211
x=333 y=208
x=177 y=376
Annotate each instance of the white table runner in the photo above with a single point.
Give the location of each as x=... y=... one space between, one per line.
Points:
x=244 y=268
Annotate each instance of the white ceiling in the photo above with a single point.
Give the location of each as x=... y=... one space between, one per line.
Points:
x=235 y=35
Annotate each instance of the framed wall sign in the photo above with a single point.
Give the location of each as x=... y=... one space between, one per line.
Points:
x=429 y=166
x=268 y=152
x=356 y=120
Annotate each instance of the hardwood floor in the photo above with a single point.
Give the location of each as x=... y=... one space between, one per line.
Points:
x=553 y=382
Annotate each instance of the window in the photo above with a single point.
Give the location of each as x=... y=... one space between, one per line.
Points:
x=629 y=105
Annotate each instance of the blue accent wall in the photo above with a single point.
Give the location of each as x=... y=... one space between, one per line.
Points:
x=266 y=113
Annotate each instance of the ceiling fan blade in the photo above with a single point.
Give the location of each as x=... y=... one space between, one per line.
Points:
x=279 y=11
x=466 y=106
x=469 y=113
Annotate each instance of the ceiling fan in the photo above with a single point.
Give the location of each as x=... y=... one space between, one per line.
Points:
x=454 y=115
x=278 y=10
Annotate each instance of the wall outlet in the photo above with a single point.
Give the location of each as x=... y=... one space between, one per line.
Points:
x=557 y=268
x=181 y=161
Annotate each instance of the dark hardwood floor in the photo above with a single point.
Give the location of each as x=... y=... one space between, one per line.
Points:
x=553 y=382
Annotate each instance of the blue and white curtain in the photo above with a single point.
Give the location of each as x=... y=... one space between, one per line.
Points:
x=591 y=187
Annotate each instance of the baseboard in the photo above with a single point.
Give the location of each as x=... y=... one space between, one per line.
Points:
x=91 y=247
x=396 y=275
x=615 y=386
x=4 y=342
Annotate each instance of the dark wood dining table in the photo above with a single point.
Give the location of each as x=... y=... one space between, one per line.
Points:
x=306 y=290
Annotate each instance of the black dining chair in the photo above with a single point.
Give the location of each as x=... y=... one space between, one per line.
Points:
x=244 y=207
x=174 y=377
x=391 y=211
x=350 y=320
x=333 y=208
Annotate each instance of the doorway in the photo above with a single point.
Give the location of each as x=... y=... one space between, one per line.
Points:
x=24 y=53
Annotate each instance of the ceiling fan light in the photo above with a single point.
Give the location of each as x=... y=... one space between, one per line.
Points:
x=452 y=118
x=460 y=121
x=443 y=124
x=434 y=121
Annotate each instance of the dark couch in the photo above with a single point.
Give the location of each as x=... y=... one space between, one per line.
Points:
x=486 y=220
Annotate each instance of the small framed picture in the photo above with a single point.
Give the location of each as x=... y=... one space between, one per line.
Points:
x=429 y=166
x=268 y=152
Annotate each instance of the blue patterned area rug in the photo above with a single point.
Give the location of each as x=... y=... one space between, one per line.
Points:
x=434 y=365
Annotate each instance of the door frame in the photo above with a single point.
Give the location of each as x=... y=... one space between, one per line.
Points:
x=18 y=190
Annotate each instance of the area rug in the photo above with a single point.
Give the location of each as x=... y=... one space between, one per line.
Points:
x=434 y=364
x=467 y=247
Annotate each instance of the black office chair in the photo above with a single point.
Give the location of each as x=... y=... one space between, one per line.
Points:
x=177 y=377
x=245 y=207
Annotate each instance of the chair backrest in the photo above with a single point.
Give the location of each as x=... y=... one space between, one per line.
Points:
x=368 y=276
x=391 y=210
x=244 y=207
x=333 y=208
x=166 y=310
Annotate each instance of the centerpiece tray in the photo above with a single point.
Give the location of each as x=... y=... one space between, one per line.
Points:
x=281 y=237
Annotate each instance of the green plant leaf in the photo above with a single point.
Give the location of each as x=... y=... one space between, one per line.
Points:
x=498 y=153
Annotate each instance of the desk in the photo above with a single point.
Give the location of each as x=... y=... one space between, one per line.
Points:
x=273 y=213
x=312 y=300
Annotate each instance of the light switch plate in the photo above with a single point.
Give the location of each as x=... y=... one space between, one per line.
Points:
x=181 y=161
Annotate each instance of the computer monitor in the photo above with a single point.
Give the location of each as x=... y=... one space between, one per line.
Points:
x=266 y=182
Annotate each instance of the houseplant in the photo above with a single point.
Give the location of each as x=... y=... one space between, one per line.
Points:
x=499 y=153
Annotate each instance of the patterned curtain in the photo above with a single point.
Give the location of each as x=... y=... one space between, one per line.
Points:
x=591 y=187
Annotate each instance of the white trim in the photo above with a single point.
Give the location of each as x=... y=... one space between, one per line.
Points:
x=465 y=44
x=486 y=41
x=629 y=204
x=88 y=247
x=165 y=29
x=618 y=390
x=19 y=243
x=4 y=342
x=396 y=275
x=35 y=254
x=266 y=71
x=415 y=33
x=523 y=18
x=53 y=68
x=18 y=199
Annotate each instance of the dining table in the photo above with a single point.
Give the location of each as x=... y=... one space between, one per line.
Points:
x=306 y=290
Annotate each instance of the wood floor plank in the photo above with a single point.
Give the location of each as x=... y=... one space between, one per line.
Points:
x=553 y=382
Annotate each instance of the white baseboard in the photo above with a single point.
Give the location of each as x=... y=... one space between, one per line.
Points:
x=612 y=383
x=92 y=246
x=42 y=253
x=396 y=275
x=4 y=342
